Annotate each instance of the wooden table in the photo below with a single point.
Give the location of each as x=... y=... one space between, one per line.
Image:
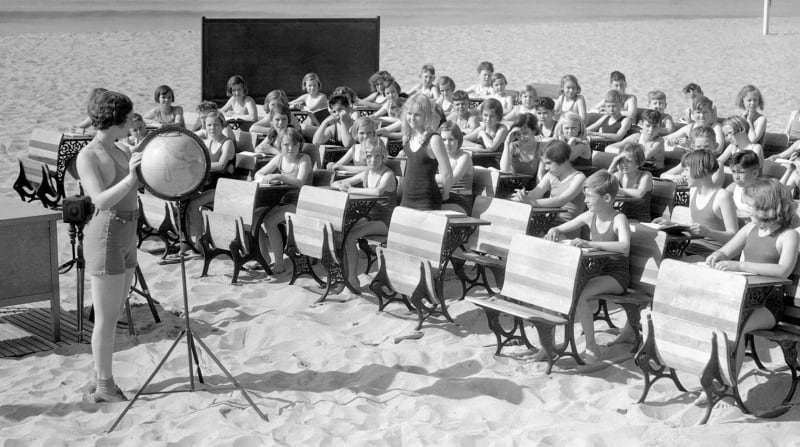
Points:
x=29 y=265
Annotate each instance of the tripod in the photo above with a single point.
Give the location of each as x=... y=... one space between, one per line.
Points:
x=191 y=351
x=79 y=262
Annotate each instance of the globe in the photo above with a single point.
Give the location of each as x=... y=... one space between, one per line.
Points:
x=175 y=163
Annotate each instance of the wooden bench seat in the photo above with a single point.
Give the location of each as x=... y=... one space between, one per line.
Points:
x=488 y=245
x=415 y=241
x=648 y=249
x=541 y=286
x=232 y=227
x=692 y=335
x=157 y=218
x=315 y=232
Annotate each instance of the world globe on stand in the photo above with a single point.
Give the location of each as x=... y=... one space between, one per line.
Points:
x=175 y=163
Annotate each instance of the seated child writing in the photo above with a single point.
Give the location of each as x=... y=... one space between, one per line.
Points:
x=712 y=213
x=294 y=168
x=462 y=170
x=363 y=129
x=484 y=86
x=522 y=150
x=609 y=231
x=766 y=246
x=613 y=125
x=633 y=182
x=562 y=181
x=527 y=99
x=735 y=128
x=165 y=112
x=240 y=106
x=649 y=137
x=491 y=134
x=313 y=100
x=464 y=117
x=376 y=180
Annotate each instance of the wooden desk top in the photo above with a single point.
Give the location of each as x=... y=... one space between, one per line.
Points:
x=464 y=221
x=15 y=211
x=544 y=210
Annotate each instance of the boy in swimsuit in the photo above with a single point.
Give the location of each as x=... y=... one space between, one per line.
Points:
x=658 y=102
x=545 y=113
x=484 y=86
x=609 y=231
x=613 y=126
x=463 y=116
x=650 y=125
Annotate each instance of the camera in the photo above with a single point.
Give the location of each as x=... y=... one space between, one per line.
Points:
x=77 y=210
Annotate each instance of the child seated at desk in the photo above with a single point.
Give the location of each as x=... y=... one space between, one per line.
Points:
x=609 y=231
x=527 y=104
x=522 y=150
x=745 y=167
x=735 y=128
x=563 y=181
x=377 y=180
x=279 y=116
x=291 y=167
x=313 y=100
x=649 y=137
x=506 y=97
x=390 y=126
x=570 y=128
x=658 y=102
x=701 y=138
x=768 y=246
x=702 y=115
x=377 y=82
x=712 y=213
x=199 y=127
x=272 y=99
x=461 y=166
x=484 y=86
x=240 y=106
x=363 y=129
x=544 y=107
x=628 y=106
x=464 y=117
x=335 y=129
x=751 y=103
x=570 y=98
x=391 y=92
x=165 y=112
x=136 y=133
x=446 y=89
x=426 y=85
x=613 y=125
x=690 y=92
x=491 y=134
x=633 y=182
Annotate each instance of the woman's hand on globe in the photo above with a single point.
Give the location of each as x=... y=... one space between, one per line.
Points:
x=133 y=163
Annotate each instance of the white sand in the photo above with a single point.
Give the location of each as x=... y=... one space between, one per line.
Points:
x=331 y=375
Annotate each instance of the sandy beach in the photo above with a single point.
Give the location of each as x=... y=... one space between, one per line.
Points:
x=332 y=374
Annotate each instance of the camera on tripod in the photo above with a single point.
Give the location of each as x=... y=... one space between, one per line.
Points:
x=77 y=210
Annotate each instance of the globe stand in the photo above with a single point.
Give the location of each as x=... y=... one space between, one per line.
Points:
x=187 y=331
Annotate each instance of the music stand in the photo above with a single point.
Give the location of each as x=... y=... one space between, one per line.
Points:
x=187 y=332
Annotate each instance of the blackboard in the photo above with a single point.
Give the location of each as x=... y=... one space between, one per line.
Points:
x=277 y=53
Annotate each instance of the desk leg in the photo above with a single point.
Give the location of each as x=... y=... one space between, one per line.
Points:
x=55 y=297
x=356 y=210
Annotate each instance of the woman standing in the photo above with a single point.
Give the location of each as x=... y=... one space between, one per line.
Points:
x=108 y=175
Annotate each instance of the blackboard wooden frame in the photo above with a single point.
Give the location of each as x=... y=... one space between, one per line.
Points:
x=344 y=51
